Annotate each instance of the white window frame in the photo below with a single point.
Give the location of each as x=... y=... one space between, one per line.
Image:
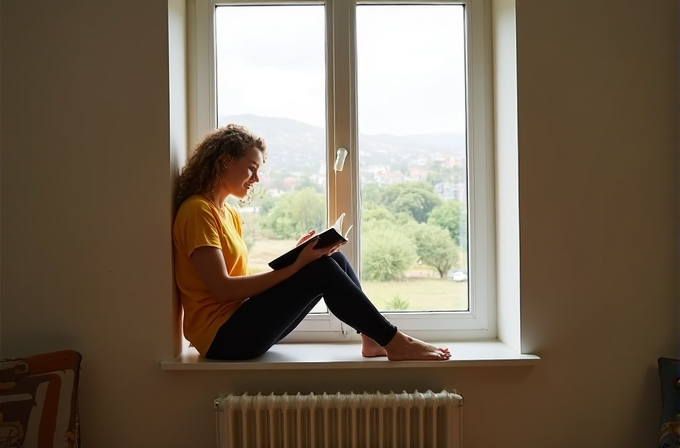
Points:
x=480 y=322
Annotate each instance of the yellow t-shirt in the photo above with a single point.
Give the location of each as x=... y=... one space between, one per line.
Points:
x=199 y=223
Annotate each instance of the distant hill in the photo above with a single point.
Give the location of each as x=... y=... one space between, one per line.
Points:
x=297 y=146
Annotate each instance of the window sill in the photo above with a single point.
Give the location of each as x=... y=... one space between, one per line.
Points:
x=348 y=356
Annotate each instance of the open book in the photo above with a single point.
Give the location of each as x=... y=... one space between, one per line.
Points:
x=329 y=237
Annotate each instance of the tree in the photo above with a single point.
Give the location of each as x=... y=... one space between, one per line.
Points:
x=449 y=216
x=249 y=221
x=371 y=194
x=305 y=182
x=436 y=248
x=308 y=209
x=295 y=213
x=375 y=212
x=387 y=251
x=266 y=203
x=437 y=173
x=415 y=198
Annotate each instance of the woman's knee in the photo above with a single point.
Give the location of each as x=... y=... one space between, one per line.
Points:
x=340 y=258
x=323 y=265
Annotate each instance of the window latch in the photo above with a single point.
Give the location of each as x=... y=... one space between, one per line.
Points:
x=340 y=156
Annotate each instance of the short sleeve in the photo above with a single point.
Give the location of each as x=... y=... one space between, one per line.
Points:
x=196 y=226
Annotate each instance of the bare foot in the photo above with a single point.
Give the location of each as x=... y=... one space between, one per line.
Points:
x=405 y=348
x=370 y=348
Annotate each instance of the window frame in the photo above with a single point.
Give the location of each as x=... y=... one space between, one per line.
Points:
x=480 y=322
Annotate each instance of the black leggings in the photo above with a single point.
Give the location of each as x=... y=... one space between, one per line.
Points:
x=266 y=318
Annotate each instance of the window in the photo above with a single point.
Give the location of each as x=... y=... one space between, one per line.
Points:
x=404 y=89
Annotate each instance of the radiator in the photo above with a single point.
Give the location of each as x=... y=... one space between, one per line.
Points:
x=390 y=420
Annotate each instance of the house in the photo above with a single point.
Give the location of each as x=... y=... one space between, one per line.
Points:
x=92 y=135
x=417 y=173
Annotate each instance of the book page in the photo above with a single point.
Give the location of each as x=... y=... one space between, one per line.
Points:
x=348 y=229
x=338 y=226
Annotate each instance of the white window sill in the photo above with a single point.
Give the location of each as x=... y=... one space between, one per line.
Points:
x=348 y=356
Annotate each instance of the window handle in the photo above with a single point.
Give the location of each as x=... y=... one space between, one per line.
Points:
x=340 y=156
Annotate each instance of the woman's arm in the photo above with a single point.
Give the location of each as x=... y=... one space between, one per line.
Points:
x=209 y=262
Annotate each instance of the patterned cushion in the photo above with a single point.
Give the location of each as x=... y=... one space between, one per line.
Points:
x=39 y=401
x=669 y=374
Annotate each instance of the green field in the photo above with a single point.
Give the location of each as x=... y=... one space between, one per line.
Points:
x=431 y=294
x=422 y=288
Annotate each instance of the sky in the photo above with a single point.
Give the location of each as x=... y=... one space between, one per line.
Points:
x=410 y=65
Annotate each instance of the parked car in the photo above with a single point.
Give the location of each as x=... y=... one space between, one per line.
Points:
x=457 y=276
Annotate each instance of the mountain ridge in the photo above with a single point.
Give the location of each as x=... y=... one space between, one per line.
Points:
x=294 y=144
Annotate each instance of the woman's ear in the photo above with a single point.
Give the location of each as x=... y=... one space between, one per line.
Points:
x=226 y=161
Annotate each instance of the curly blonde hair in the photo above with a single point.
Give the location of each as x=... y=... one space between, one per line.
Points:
x=203 y=170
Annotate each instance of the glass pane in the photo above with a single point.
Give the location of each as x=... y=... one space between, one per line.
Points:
x=413 y=156
x=271 y=78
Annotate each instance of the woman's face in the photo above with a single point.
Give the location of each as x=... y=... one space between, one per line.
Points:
x=242 y=173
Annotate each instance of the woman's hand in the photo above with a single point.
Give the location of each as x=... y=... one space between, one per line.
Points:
x=309 y=253
x=305 y=237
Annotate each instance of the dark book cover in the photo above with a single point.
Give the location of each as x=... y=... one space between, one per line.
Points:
x=329 y=237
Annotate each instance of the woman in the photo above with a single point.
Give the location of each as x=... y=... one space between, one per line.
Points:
x=231 y=315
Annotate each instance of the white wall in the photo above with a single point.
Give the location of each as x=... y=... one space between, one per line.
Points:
x=87 y=162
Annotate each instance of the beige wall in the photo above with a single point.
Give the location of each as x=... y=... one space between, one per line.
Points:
x=86 y=168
